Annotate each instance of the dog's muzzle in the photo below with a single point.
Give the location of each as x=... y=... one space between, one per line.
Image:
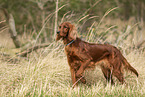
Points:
x=58 y=32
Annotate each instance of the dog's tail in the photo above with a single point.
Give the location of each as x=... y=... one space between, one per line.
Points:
x=128 y=66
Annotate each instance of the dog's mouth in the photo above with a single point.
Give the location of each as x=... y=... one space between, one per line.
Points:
x=58 y=36
x=61 y=36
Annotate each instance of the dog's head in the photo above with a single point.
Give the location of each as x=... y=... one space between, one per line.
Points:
x=66 y=30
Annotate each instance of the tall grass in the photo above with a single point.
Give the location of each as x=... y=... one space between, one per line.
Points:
x=46 y=72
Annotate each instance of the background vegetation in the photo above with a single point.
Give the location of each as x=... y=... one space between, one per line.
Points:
x=43 y=70
x=31 y=15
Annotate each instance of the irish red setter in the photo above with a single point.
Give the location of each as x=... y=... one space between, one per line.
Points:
x=82 y=55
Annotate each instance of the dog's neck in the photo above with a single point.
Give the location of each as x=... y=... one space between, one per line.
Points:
x=67 y=41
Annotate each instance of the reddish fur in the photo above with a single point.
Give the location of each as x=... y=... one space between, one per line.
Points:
x=82 y=55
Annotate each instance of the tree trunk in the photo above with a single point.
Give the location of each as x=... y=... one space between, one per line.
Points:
x=56 y=18
x=13 y=32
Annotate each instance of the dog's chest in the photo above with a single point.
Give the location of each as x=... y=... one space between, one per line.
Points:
x=69 y=51
x=72 y=53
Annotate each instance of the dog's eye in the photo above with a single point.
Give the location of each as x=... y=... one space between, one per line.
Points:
x=59 y=27
x=65 y=27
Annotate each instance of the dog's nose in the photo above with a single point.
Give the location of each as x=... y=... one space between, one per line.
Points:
x=58 y=32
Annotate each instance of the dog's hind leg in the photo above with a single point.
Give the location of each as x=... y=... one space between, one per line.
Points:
x=119 y=75
x=107 y=74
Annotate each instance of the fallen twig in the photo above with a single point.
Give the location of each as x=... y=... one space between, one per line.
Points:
x=31 y=49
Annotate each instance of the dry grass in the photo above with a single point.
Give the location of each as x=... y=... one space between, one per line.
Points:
x=46 y=73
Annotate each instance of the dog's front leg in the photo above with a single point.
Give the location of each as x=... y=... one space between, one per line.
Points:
x=82 y=68
x=73 y=76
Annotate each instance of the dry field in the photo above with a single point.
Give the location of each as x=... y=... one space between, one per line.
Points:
x=45 y=73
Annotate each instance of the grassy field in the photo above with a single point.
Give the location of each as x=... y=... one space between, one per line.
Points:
x=45 y=73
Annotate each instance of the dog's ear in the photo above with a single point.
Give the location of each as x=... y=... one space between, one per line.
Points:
x=72 y=32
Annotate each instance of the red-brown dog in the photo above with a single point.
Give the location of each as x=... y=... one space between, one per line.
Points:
x=82 y=55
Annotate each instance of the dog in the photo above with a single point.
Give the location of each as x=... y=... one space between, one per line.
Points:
x=82 y=55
